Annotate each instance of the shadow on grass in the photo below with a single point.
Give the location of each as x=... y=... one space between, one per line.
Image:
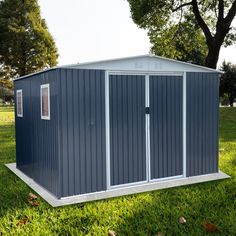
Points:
x=197 y=203
x=13 y=191
x=227 y=126
x=227 y=136
x=233 y=161
x=4 y=108
x=14 y=195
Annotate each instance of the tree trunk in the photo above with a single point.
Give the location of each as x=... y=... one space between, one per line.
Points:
x=231 y=101
x=212 y=56
x=22 y=71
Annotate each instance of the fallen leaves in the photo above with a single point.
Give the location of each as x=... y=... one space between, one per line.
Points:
x=32 y=200
x=182 y=220
x=159 y=234
x=210 y=227
x=24 y=220
x=111 y=233
x=32 y=196
x=34 y=203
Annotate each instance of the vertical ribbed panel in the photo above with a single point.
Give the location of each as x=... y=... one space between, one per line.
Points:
x=82 y=122
x=37 y=139
x=127 y=128
x=166 y=122
x=24 y=159
x=202 y=123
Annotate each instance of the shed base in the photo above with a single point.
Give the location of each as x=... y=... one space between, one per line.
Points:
x=55 y=202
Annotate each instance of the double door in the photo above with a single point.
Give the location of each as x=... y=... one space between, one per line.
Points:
x=145 y=128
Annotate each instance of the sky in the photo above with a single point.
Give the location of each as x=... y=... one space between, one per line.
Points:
x=91 y=30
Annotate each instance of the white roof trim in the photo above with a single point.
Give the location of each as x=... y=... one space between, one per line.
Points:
x=36 y=73
x=145 y=55
x=120 y=59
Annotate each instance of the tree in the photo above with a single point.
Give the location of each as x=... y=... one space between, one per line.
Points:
x=26 y=45
x=185 y=18
x=228 y=82
x=183 y=41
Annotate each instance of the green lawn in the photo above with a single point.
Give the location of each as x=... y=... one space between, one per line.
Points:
x=141 y=214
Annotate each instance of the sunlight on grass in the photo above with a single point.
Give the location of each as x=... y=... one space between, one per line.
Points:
x=140 y=214
x=6 y=115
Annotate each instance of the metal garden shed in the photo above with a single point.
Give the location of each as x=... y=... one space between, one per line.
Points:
x=109 y=128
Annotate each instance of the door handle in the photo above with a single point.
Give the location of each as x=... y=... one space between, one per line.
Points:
x=147 y=110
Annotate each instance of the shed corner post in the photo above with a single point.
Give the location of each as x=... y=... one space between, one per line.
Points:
x=184 y=124
x=60 y=170
x=107 y=120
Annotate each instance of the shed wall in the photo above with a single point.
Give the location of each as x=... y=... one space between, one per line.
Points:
x=82 y=138
x=66 y=154
x=23 y=151
x=37 y=139
x=202 y=123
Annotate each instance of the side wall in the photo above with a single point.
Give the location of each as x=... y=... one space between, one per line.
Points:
x=37 y=139
x=202 y=123
x=82 y=139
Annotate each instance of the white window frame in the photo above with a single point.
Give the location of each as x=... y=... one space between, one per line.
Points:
x=19 y=91
x=41 y=101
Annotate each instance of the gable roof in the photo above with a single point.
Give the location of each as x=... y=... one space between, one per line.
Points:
x=147 y=62
x=141 y=63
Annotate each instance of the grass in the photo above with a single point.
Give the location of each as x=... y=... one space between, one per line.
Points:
x=140 y=214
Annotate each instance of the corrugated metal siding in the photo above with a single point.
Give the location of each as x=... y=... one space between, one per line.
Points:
x=202 y=123
x=24 y=159
x=127 y=128
x=37 y=139
x=82 y=122
x=166 y=122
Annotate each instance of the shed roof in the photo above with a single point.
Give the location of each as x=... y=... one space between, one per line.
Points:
x=148 y=63
x=141 y=63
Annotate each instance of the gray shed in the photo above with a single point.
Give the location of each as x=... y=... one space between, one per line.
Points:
x=116 y=127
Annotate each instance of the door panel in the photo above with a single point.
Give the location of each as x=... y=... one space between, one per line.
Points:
x=127 y=129
x=166 y=136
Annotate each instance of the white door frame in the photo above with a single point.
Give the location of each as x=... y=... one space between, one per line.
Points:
x=147 y=125
x=147 y=120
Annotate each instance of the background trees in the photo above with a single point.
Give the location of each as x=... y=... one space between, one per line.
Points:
x=177 y=28
x=26 y=45
x=228 y=82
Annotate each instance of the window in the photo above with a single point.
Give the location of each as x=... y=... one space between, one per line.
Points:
x=45 y=101
x=19 y=103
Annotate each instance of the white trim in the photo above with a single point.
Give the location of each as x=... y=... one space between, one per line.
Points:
x=36 y=73
x=120 y=59
x=166 y=178
x=149 y=73
x=128 y=184
x=20 y=92
x=41 y=102
x=184 y=124
x=146 y=56
x=147 y=120
x=144 y=187
x=107 y=118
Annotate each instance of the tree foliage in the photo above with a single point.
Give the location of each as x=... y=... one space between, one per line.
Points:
x=184 y=29
x=228 y=82
x=5 y=77
x=183 y=41
x=26 y=45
